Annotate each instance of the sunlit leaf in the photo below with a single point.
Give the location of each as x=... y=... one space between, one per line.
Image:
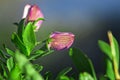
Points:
x=29 y=38
x=105 y=47
x=10 y=63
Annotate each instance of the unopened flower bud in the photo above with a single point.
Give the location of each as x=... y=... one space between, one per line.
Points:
x=61 y=40
x=32 y=13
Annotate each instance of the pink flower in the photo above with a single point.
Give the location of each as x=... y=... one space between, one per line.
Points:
x=32 y=13
x=61 y=40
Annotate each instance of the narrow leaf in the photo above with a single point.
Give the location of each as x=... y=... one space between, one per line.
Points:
x=105 y=47
x=10 y=52
x=10 y=63
x=21 y=27
x=109 y=69
x=116 y=50
x=63 y=73
x=17 y=41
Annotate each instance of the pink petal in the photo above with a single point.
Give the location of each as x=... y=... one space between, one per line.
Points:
x=61 y=40
x=26 y=9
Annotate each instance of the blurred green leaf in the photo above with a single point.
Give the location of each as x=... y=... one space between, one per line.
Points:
x=48 y=76
x=10 y=63
x=40 y=53
x=116 y=47
x=82 y=62
x=109 y=66
x=63 y=73
x=15 y=73
x=21 y=27
x=37 y=54
x=105 y=48
x=64 y=78
x=10 y=52
x=38 y=67
x=103 y=77
x=1 y=77
x=3 y=57
x=85 y=76
x=3 y=69
x=27 y=67
x=29 y=38
x=109 y=69
x=16 y=40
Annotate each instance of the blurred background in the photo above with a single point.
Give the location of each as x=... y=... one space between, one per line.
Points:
x=89 y=20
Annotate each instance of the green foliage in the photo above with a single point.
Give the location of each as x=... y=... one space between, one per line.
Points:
x=105 y=47
x=27 y=67
x=107 y=51
x=85 y=76
x=61 y=75
x=10 y=63
x=112 y=59
x=82 y=62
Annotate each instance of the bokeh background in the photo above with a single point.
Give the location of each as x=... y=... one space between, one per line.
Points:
x=89 y=20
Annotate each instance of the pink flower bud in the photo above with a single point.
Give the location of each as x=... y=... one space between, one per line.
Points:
x=32 y=13
x=61 y=40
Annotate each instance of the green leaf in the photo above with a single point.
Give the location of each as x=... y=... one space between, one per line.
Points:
x=116 y=47
x=82 y=62
x=4 y=69
x=21 y=27
x=63 y=73
x=29 y=38
x=85 y=76
x=17 y=41
x=48 y=76
x=3 y=57
x=27 y=67
x=40 y=53
x=15 y=73
x=10 y=52
x=10 y=63
x=105 y=48
x=37 y=54
x=1 y=77
x=38 y=67
x=64 y=78
x=109 y=69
